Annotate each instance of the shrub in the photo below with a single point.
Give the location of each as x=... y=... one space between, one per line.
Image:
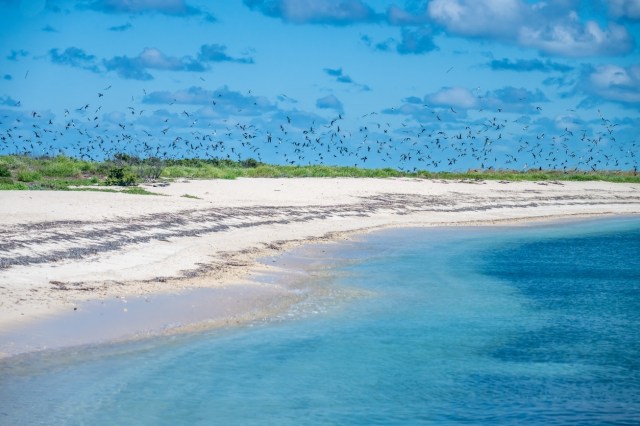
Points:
x=121 y=176
x=4 y=171
x=86 y=166
x=60 y=168
x=249 y=163
x=151 y=168
x=125 y=159
x=28 y=176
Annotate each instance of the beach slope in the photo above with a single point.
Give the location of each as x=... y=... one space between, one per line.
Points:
x=58 y=249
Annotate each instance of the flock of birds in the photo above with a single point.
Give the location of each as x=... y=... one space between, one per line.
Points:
x=495 y=142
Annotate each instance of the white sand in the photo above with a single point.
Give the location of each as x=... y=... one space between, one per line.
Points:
x=61 y=248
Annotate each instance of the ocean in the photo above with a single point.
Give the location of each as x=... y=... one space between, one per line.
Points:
x=536 y=324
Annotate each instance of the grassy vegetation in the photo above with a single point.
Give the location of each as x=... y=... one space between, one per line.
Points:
x=64 y=173
x=201 y=169
x=544 y=175
x=191 y=196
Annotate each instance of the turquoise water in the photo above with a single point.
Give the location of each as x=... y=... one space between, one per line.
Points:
x=531 y=325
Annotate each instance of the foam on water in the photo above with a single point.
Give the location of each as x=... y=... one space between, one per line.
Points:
x=538 y=325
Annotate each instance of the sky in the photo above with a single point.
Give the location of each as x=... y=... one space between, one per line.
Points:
x=416 y=84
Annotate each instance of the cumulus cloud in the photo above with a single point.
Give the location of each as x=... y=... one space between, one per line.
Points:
x=8 y=100
x=459 y=97
x=155 y=59
x=572 y=39
x=398 y=16
x=553 y=28
x=329 y=102
x=150 y=58
x=218 y=102
x=513 y=99
x=424 y=113
x=527 y=65
x=478 y=18
x=74 y=57
x=612 y=83
x=166 y=7
x=624 y=9
x=413 y=42
x=343 y=78
x=569 y=122
x=330 y=12
x=192 y=96
x=138 y=67
x=17 y=54
x=408 y=108
x=381 y=46
x=562 y=81
x=452 y=103
x=127 y=68
x=416 y=41
x=412 y=100
x=217 y=53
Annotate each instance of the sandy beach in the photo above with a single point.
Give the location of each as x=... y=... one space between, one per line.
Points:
x=62 y=251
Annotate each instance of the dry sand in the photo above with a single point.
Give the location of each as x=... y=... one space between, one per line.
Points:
x=59 y=250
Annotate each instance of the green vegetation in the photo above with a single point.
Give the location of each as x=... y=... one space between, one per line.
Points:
x=191 y=196
x=120 y=176
x=225 y=169
x=139 y=191
x=28 y=176
x=6 y=185
x=4 y=171
x=64 y=173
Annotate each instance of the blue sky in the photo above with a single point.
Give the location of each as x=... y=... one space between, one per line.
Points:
x=438 y=84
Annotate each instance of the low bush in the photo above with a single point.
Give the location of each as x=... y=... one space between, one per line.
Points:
x=121 y=176
x=28 y=176
x=150 y=168
x=249 y=163
x=12 y=185
x=60 y=168
x=4 y=171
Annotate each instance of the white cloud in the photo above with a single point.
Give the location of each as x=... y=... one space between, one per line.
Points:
x=153 y=58
x=514 y=99
x=306 y=10
x=569 y=122
x=333 y=12
x=398 y=16
x=576 y=40
x=453 y=97
x=626 y=9
x=497 y=18
x=614 y=83
x=221 y=101
x=329 y=102
x=552 y=28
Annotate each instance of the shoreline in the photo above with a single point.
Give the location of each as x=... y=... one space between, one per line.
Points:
x=177 y=246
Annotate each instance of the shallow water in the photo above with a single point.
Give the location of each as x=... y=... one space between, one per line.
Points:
x=535 y=325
